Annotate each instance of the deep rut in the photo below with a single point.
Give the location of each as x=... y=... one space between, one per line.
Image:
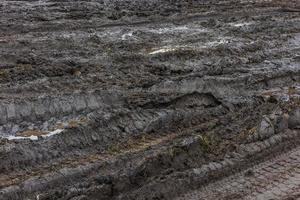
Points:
x=148 y=99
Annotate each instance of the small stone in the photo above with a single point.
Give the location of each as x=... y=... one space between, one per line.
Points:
x=285 y=98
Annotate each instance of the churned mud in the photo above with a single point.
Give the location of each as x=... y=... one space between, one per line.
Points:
x=156 y=99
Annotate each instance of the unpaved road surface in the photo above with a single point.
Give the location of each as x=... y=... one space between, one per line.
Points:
x=275 y=179
x=149 y=99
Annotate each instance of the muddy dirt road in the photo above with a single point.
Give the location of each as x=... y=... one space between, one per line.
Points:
x=276 y=179
x=156 y=99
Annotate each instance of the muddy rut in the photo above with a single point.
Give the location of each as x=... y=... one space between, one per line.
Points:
x=177 y=99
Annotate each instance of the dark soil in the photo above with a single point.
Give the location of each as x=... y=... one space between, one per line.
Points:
x=142 y=94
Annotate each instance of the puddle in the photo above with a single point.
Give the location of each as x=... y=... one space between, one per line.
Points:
x=58 y=131
x=126 y=36
x=22 y=138
x=217 y=42
x=167 y=49
x=241 y=24
x=177 y=29
x=164 y=50
x=34 y=137
x=167 y=30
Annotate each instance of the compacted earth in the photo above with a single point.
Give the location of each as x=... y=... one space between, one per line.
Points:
x=149 y=99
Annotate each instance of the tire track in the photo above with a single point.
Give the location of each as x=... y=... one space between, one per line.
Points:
x=276 y=179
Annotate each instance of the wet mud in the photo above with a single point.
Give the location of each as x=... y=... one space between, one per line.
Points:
x=116 y=99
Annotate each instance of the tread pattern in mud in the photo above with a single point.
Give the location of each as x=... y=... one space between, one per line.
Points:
x=276 y=179
x=208 y=78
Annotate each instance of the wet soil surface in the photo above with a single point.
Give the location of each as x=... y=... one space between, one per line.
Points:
x=116 y=99
x=276 y=179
